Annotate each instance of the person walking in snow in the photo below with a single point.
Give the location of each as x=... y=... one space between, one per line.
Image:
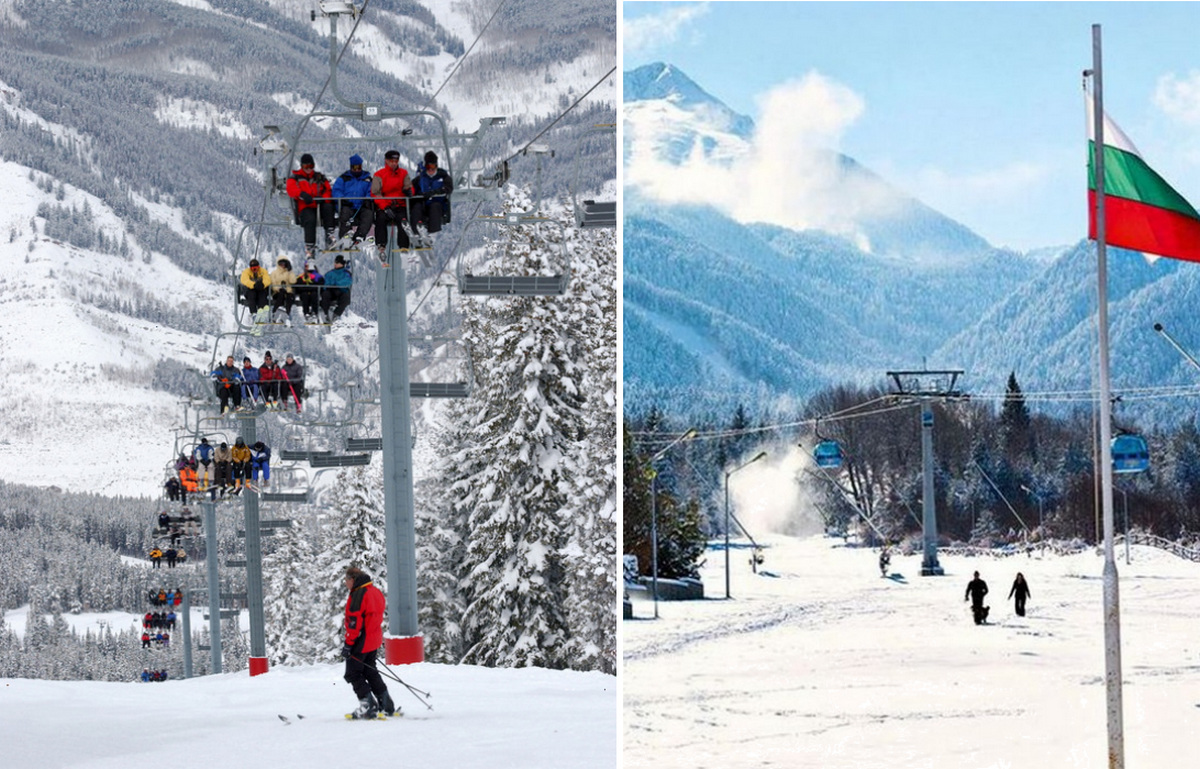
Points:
x=353 y=191
x=364 y=635
x=884 y=560
x=976 y=590
x=311 y=196
x=1020 y=589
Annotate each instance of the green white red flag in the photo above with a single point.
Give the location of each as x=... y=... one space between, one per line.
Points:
x=1141 y=211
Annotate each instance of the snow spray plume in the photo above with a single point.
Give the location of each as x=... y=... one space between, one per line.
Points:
x=768 y=497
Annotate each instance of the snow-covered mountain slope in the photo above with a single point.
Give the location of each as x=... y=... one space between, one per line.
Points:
x=818 y=661
x=132 y=168
x=726 y=304
x=481 y=718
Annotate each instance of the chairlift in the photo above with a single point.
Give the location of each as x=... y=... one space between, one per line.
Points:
x=440 y=367
x=592 y=213
x=472 y=282
x=1130 y=454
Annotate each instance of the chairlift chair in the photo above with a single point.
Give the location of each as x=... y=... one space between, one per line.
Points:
x=471 y=283
x=592 y=213
x=443 y=364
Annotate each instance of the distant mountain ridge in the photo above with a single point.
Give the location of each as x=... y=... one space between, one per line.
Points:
x=741 y=310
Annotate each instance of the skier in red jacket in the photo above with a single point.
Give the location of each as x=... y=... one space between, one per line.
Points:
x=391 y=189
x=364 y=636
x=311 y=194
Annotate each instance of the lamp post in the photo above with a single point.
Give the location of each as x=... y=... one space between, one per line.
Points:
x=728 y=473
x=653 y=473
x=1039 y=500
x=1125 y=507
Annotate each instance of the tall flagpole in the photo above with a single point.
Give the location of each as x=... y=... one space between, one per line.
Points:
x=1112 y=612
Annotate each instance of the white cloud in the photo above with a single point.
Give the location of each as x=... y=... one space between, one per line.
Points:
x=1179 y=97
x=645 y=32
x=789 y=174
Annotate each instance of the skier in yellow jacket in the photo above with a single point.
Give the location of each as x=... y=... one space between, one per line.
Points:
x=255 y=293
x=241 y=465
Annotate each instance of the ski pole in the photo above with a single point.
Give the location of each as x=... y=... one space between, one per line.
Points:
x=412 y=689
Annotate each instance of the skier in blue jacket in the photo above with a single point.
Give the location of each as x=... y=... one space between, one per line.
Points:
x=260 y=462
x=353 y=189
x=203 y=454
x=337 y=289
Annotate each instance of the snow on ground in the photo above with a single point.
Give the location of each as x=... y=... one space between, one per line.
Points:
x=820 y=662
x=17 y=619
x=483 y=718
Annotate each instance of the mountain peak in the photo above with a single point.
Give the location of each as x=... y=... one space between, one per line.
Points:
x=669 y=83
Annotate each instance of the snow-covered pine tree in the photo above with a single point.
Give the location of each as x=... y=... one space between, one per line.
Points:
x=590 y=316
x=293 y=631
x=353 y=534
x=441 y=529
x=520 y=453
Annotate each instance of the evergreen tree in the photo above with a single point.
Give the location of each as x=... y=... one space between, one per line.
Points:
x=591 y=550
x=521 y=450
x=294 y=626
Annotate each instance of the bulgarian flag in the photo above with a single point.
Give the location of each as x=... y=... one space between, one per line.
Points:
x=1141 y=211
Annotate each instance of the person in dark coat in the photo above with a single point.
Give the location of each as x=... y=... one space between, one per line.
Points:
x=308 y=290
x=431 y=206
x=295 y=376
x=228 y=383
x=364 y=635
x=976 y=590
x=1020 y=589
x=173 y=488
x=884 y=560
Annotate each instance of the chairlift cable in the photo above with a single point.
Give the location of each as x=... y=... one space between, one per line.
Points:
x=562 y=114
x=464 y=56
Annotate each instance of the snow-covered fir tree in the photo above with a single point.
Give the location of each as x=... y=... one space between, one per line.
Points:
x=441 y=525
x=591 y=551
x=293 y=622
x=525 y=473
x=353 y=534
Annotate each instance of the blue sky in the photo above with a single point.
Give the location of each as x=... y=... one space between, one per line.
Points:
x=975 y=108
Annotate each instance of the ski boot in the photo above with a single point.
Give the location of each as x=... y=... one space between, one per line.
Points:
x=367 y=708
